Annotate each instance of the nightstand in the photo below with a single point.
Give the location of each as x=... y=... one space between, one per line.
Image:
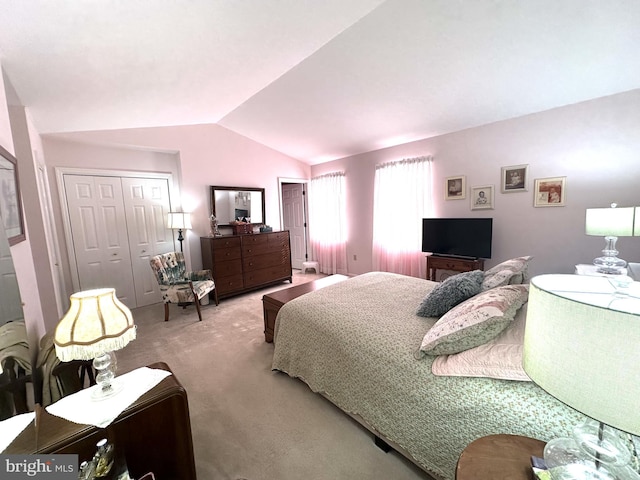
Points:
x=499 y=456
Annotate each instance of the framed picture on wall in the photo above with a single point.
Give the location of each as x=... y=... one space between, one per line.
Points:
x=549 y=192
x=482 y=197
x=455 y=188
x=514 y=178
x=10 y=204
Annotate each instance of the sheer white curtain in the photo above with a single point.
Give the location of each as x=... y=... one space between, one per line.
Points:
x=328 y=222
x=402 y=197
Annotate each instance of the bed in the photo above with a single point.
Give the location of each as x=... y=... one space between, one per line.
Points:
x=357 y=343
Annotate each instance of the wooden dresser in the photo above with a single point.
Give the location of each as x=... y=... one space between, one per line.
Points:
x=241 y=263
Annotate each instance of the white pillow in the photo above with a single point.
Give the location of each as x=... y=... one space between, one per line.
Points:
x=499 y=358
x=510 y=272
x=475 y=321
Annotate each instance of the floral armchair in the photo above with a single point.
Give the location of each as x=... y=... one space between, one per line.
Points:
x=179 y=286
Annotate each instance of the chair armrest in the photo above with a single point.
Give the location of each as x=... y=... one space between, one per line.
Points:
x=200 y=275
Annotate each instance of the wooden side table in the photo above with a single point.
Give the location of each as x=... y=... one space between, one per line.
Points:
x=272 y=302
x=456 y=264
x=154 y=433
x=504 y=457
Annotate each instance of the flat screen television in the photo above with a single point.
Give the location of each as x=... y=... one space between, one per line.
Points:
x=459 y=237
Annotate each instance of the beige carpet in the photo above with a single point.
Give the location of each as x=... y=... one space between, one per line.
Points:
x=247 y=421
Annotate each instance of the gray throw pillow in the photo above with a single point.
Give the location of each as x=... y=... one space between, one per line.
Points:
x=451 y=292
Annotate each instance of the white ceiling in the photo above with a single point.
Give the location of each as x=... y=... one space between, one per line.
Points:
x=314 y=79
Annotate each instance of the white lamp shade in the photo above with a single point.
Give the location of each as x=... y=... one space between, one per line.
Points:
x=179 y=220
x=615 y=222
x=582 y=346
x=96 y=323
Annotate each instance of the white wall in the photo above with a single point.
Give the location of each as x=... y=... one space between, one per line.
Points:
x=595 y=144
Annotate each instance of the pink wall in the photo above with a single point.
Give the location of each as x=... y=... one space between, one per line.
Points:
x=595 y=144
x=201 y=155
x=22 y=252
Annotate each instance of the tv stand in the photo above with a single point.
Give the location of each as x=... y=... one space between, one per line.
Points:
x=455 y=264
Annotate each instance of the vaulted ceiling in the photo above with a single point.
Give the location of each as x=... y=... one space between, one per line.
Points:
x=314 y=79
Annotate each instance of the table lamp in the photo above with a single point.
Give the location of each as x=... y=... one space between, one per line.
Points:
x=96 y=324
x=610 y=223
x=179 y=221
x=581 y=346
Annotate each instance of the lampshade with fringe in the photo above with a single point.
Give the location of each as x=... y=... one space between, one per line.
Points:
x=96 y=324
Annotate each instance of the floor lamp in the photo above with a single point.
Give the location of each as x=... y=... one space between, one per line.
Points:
x=179 y=221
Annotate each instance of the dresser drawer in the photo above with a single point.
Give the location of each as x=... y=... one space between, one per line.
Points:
x=227 y=269
x=255 y=240
x=279 y=239
x=266 y=275
x=258 y=262
x=226 y=254
x=226 y=242
x=229 y=284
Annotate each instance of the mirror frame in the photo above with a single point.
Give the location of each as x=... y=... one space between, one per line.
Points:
x=214 y=188
x=6 y=208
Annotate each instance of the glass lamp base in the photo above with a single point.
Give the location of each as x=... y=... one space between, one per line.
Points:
x=601 y=443
x=103 y=392
x=580 y=471
x=609 y=263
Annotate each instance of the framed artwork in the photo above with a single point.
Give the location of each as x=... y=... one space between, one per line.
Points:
x=10 y=205
x=482 y=197
x=549 y=192
x=514 y=178
x=455 y=188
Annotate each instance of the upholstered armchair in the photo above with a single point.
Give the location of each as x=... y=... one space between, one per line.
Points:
x=179 y=286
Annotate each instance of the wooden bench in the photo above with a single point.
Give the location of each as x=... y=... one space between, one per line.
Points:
x=272 y=302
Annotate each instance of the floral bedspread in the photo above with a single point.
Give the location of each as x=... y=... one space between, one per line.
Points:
x=355 y=342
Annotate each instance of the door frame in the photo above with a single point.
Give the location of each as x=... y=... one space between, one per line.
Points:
x=304 y=182
x=64 y=210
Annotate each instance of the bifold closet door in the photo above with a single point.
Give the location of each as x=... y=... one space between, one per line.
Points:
x=99 y=234
x=146 y=202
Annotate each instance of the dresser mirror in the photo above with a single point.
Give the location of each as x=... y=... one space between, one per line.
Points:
x=15 y=359
x=230 y=204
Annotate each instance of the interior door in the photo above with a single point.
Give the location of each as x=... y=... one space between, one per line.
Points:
x=146 y=202
x=99 y=234
x=293 y=210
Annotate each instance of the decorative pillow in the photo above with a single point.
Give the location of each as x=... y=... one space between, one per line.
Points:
x=450 y=293
x=499 y=358
x=511 y=272
x=475 y=321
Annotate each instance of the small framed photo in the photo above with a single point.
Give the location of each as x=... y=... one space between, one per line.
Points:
x=514 y=178
x=549 y=192
x=455 y=188
x=482 y=197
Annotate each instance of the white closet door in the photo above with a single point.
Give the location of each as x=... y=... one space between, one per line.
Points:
x=99 y=234
x=146 y=203
x=293 y=220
